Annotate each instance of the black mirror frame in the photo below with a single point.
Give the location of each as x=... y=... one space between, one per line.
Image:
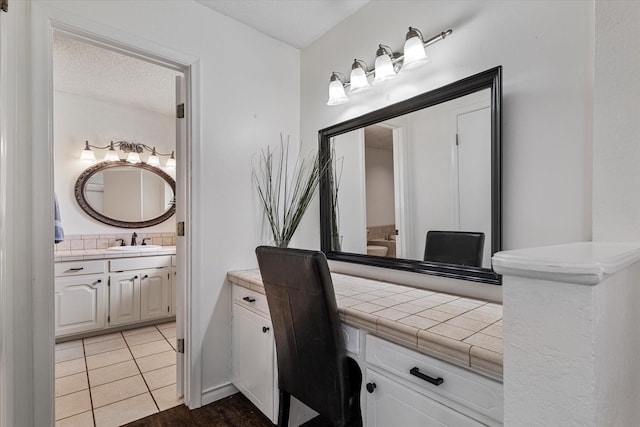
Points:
x=84 y=177
x=490 y=79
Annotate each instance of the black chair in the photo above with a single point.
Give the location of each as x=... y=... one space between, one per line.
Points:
x=312 y=363
x=454 y=247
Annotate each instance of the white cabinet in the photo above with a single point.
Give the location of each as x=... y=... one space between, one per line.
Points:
x=124 y=298
x=80 y=303
x=253 y=351
x=139 y=289
x=388 y=403
x=154 y=293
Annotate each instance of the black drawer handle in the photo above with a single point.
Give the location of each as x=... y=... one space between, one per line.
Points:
x=371 y=387
x=146 y=276
x=99 y=281
x=249 y=299
x=435 y=381
x=135 y=277
x=76 y=269
x=265 y=329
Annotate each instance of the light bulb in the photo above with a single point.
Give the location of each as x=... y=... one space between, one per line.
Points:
x=337 y=95
x=358 y=76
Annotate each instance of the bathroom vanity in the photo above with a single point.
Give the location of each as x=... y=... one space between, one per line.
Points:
x=401 y=355
x=100 y=290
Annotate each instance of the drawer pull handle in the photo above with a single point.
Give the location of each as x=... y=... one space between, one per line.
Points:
x=76 y=269
x=265 y=329
x=99 y=280
x=249 y=299
x=371 y=387
x=135 y=277
x=435 y=381
x=146 y=276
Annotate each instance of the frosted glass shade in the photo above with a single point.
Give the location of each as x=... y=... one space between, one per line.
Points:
x=384 y=69
x=111 y=156
x=171 y=161
x=358 y=79
x=87 y=154
x=337 y=95
x=153 y=160
x=133 y=157
x=414 y=53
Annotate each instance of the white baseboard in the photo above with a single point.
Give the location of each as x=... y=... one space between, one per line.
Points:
x=218 y=392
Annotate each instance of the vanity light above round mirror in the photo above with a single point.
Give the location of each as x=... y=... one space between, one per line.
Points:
x=126 y=195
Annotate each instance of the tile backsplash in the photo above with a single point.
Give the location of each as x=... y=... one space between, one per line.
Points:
x=73 y=242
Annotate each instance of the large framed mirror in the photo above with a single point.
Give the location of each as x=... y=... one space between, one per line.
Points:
x=431 y=163
x=126 y=195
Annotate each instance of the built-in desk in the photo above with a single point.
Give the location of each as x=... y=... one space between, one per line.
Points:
x=463 y=331
x=403 y=340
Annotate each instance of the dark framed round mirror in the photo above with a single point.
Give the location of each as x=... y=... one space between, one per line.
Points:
x=126 y=195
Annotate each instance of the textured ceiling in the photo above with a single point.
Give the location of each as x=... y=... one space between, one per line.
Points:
x=83 y=69
x=297 y=23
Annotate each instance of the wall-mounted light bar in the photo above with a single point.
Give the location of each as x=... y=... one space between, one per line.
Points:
x=133 y=151
x=388 y=64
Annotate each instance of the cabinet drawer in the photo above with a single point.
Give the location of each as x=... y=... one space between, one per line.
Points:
x=252 y=300
x=142 y=263
x=77 y=268
x=460 y=388
x=389 y=403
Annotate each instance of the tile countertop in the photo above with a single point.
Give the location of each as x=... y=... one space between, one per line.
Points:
x=463 y=331
x=86 y=254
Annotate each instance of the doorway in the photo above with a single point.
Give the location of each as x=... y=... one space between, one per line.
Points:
x=104 y=93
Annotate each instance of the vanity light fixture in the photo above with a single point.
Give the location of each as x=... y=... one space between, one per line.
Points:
x=387 y=65
x=133 y=151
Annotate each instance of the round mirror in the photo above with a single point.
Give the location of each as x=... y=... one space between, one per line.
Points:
x=126 y=195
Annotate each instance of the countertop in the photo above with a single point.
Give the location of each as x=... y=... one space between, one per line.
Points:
x=87 y=254
x=464 y=331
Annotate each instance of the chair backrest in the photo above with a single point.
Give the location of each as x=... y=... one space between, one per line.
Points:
x=454 y=247
x=312 y=362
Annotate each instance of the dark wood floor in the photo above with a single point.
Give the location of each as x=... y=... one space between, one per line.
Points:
x=234 y=411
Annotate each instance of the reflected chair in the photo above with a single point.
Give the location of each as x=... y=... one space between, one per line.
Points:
x=312 y=363
x=454 y=247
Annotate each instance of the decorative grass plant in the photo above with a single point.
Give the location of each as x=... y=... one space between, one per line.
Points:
x=285 y=192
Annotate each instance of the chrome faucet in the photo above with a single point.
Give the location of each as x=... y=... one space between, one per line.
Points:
x=144 y=241
x=133 y=239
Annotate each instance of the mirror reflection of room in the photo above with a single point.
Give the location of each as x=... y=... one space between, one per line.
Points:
x=429 y=170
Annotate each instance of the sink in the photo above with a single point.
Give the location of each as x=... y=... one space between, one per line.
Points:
x=137 y=248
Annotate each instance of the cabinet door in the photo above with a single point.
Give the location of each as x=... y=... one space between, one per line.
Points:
x=79 y=304
x=253 y=358
x=154 y=293
x=393 y=404
x=124 y=298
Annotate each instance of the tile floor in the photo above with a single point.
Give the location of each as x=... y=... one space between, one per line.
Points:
x=116 y=378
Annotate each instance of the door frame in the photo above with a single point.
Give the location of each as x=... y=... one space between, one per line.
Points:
x=45 y=20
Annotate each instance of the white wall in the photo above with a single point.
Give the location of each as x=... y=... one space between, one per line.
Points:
x=616 y=128
x=249 y=94
x=547 y=77
x=78 y=118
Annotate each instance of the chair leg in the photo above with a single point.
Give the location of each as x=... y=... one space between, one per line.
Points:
x=283 y=409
